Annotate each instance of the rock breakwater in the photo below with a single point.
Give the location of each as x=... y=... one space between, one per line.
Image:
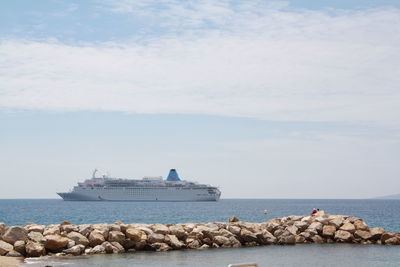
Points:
x=34 y=240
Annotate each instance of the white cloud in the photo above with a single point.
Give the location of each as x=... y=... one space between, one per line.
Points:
x=257 y=61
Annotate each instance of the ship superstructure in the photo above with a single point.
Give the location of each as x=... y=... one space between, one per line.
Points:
x=146 y=189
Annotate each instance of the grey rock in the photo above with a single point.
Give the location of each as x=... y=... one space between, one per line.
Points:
x=5 y=248
x=173 y=241
x=36 y=237
x=75 y=250
x=343 y=236
x=35 y=249
x=116 y=236
x=99 y=249
x=56 y=242
x=155 y=238
x=19 y=246
x=79 y=238
x=15 y=233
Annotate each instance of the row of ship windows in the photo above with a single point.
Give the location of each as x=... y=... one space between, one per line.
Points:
x=124 y=188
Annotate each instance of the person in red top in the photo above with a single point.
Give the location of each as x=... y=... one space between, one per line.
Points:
x=313 y=212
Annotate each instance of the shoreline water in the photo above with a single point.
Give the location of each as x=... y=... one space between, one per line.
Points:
x=377 y=213
x=330 y=255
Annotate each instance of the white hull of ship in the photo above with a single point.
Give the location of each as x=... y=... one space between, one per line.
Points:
x=141 y=194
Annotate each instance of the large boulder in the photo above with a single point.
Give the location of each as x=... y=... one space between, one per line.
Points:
x=85 y=229
x=56 y=242
x=278 y=232
x=189 y=227
x=75 y=250
x=145 y=229
x=266 y=238
x=385 y=236
x=173 y=241
x=35 y=249
x=225 y=233
x=178 y=231
x=135 y=234
x=19 y=246
x=323 y=220
x=233 y=229
x=315 y=227
x=155 y=238
x=271 y=225
x=195 y=234
x=71 y=243
x=14 y=253
x=36 y=237
x=116 y=236
x=360 y=225
x=108 y=247
x=234 y=242
x=5 y=248
x=103 y=229
x=193 y=244
x=349 y=227
x=35 y=228
x=222 y=241
x=292 y=229
x=117 y=248
x=343 y=236
x=51 y=230
x=99 y=249
x=337 y=222
x=78 y=238
x=160 y=229
x=307 y=235
x=365 y=235
x=328 y=230
x=206 y=230
x=376 y=233
x=15 y=233
x=96 y=238
x=392 y=241
x=301 y=225
x=247 y=236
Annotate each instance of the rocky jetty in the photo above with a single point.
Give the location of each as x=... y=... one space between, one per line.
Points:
x=34 y=240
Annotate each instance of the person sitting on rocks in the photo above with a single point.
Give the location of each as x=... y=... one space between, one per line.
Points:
x=314 y=211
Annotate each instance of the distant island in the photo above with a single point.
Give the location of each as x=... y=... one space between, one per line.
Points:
x=397 y=196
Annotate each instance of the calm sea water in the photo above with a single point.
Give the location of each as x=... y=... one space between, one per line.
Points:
x=385 y=213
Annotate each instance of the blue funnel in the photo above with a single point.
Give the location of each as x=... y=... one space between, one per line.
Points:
x=173 y=176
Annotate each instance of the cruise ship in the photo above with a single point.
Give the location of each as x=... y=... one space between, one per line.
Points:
x=146 y=189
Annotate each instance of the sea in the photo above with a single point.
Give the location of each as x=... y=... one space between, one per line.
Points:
x=375 y=212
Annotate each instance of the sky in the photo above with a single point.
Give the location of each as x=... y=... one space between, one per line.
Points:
x=265 y=99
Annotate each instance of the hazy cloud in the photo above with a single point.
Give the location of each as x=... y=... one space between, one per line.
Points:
x=249 y=60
